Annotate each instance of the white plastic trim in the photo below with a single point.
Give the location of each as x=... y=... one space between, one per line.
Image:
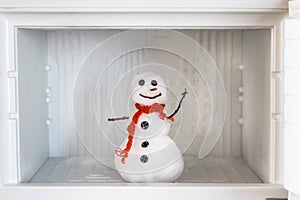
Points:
x=143 y=6
x=294 y=9
x=150 y=191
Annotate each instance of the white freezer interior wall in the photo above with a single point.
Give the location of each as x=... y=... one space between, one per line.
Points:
x=33 y=110
x=256 y=106
x=66 y=52
x=68 y=48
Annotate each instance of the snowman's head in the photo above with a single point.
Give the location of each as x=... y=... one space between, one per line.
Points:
x=149 y=88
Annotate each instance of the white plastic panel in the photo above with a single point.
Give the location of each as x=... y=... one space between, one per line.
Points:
x=33 y=109
x=291 y=53
x=292 y=81
x=142 y=5
x=148 y=191
x=256 y=105
x=291 y=156
x=293 y=196
x=3 y=108
x=292 y=106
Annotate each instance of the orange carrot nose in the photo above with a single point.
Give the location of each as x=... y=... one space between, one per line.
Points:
x=153 y=89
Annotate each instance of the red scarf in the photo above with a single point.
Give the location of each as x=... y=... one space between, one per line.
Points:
x=131 y=127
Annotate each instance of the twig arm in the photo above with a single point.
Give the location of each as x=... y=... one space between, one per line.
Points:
x=179 y=105
x=117 y=118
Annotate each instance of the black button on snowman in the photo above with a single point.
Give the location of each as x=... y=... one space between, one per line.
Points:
x=145 y=144
x=145 y=125
x=149 y=154
x=144 y=158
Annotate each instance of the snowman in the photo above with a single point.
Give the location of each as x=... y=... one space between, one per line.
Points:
x=149 y=154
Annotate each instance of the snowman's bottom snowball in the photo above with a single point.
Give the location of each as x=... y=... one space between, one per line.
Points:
x=167 y=174
x=160 y=161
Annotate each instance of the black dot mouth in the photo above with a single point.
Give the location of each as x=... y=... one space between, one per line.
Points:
x=150 y=97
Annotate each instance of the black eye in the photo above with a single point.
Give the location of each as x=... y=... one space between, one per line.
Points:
x=154 y=82
x=141 y=82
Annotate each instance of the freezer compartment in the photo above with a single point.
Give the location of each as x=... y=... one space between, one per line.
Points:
x=54 y=149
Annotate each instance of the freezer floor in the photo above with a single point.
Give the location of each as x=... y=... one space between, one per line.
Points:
x=88 y=170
